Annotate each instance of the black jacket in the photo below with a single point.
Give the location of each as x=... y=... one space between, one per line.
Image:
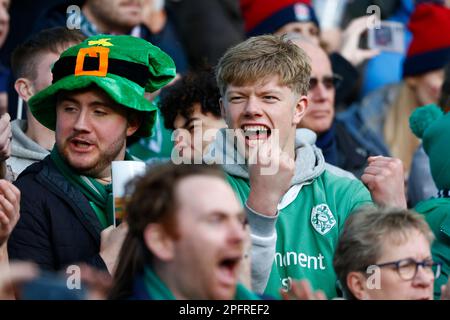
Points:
x=57 y=226
x=352 y=156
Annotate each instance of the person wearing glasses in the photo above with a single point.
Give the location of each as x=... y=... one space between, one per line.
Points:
x=337 y=145
x=385 y=254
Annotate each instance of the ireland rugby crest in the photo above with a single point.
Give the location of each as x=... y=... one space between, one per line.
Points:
x=322 y=218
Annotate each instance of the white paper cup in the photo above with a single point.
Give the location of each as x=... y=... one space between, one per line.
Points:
x=122 y=173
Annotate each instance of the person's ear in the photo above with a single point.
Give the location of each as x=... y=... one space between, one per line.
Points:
x=134 y=122
x=356 y=283
x=300 y=109
x=24 y=88
x=159 y=242
x=222 y=108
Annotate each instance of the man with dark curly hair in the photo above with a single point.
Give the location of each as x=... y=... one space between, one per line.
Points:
x=191 y=107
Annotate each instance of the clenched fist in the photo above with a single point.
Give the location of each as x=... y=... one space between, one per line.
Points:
x=385 y=179
x=271 y=171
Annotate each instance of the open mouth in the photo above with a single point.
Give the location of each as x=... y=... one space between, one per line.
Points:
x=228 y=270
x=256 y=132
x=81 y=145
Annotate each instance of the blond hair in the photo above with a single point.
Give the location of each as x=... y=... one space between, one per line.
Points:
x=399 y=138
x=261 y=57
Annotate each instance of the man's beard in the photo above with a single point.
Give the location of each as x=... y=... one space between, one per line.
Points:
x=104 y=158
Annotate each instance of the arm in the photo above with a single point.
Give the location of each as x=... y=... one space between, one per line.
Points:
x=350 y=41
x=264 y=238
x=30 y=238
x=271 y=172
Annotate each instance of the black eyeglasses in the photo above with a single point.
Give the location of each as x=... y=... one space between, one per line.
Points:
x=407 y=268
x=329 y=82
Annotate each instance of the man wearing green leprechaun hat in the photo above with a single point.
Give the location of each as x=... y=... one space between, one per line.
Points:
x=95 y=102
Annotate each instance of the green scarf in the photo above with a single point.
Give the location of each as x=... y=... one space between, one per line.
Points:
x=99 y=195
x=157 y=290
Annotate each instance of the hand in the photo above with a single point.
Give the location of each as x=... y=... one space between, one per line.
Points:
x=14 y=274
x=385 y=179
x=152 y=17
x=350 y=42
x=99 y=282
x=301 y=290
x=331 y=39
x=111 y=243
x=147 y=8
x=271 y=171
x=9 y=209
x=5 y=136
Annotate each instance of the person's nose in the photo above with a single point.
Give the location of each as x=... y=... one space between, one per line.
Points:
x=237 y=231
x=252 y=108
x=424 y=277
x=319 y=92
x=82 y=122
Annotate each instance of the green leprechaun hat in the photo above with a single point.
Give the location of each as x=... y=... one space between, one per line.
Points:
x=125 y=67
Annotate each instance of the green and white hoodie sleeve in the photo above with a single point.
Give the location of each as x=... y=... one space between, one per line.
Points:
x=264 y=239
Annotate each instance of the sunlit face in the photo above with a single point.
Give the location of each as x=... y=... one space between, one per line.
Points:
x=392 y=287
x=209 y=249
x=201 y=129
x=257 y=109
x=320 y=112
x=91 y=131
x=117 y=14
x=4 y=20
x=427 y=86
x=307 y=29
